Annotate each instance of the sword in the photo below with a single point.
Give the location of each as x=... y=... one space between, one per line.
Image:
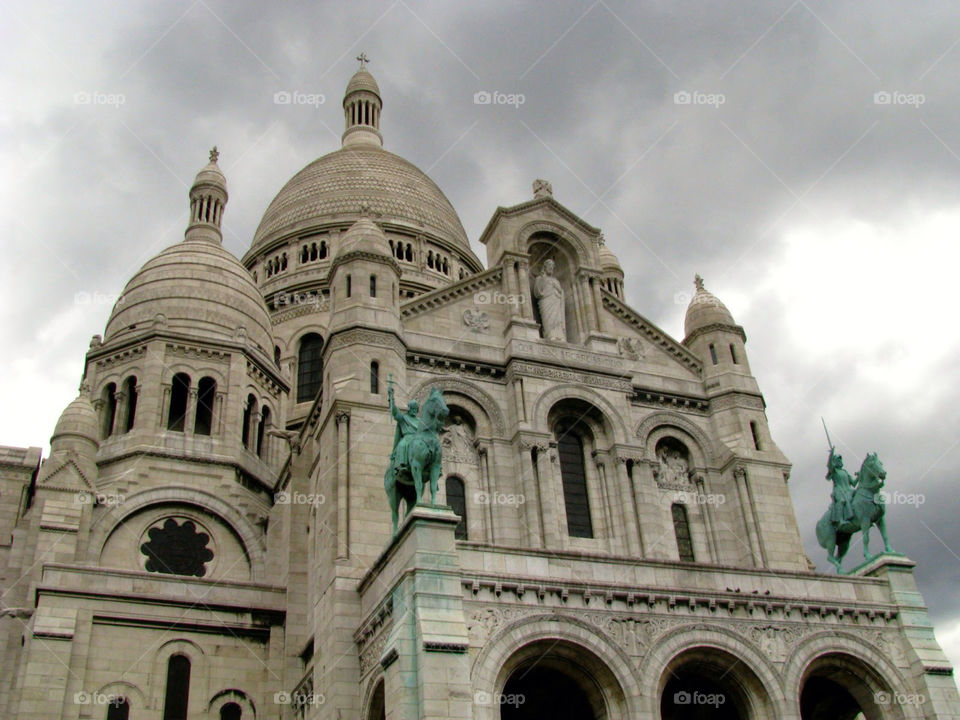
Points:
x=829 y=442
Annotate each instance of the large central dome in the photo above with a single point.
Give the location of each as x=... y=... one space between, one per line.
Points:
x=337 y=186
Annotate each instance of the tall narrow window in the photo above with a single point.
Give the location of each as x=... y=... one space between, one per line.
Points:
x=373 y=286
x=109 y=409
x=206 y=391
x=457 y=500
x=755 y=431
x=231 y=711
x=130 y=393
x=261 y=430
x=178 y=688
x=118 y=709
x=713 y=353
x=573 y=474
x=309 y=367
x=733 y=354
x=681 y=527
x=348 y=286
x=248 y=409
x=178 y=401
x=375 y=377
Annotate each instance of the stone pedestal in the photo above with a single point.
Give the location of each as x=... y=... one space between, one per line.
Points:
x=929 y=666
x=426 y=667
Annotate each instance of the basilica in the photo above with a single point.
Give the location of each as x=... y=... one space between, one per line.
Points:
x=612 y=535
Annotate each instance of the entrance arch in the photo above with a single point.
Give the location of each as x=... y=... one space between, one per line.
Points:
x=704 y=683
x=556 y=679
x=836 y=686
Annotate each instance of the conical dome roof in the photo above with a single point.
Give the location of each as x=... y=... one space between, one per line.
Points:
x=364 y=236
x=362 y=80
x=705 y=309
x=78 y=419
x=196 y=288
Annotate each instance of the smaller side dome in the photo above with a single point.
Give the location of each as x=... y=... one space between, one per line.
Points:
x=78 y=420
x=705 y=309
x=364 y=236
x=362 y=80
x=608 y=260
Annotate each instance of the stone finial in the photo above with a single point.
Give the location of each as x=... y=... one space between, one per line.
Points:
x=601 y=240
x=214 y=154
x=698 y=281
x=362 y=57
x=542 y=188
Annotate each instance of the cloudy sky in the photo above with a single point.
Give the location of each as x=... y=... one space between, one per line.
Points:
x=804 y=157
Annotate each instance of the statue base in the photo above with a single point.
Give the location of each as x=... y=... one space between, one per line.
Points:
x=870 y=567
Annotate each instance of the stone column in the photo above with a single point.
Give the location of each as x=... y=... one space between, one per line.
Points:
x=653 y=529
x=749 y=517
x=165 y=407
x=526 y=306
x=707 y=510
x=586 y=297
x=510 y=280
x=190 y=415
x=218 y=420
x=343 y=483
x=120 y=416
x=628 y=507
x=549 y=508
x=483 y=455
x=531 y=509
x=602 y=324
x=614 y=520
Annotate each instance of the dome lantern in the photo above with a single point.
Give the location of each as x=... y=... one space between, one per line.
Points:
x=208 y=197
x=361 y=108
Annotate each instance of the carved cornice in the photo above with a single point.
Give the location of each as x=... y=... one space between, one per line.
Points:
x=736 y=398
x=553 y=373
x=649 y=396
x=652 y=333
x=364 y=336
x=431 y=362
x=446 y=295
x=125 y=355
x=715 y=327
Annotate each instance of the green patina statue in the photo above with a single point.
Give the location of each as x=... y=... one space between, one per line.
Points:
x=417 y=451
x=857 y=506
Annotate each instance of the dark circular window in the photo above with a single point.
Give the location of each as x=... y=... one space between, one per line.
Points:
x=177 y=549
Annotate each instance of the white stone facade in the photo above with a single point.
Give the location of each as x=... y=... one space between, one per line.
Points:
x=628 y=528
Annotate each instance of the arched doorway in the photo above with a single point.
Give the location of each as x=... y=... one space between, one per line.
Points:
x=378 y=708
x=711 y=684
x=550 y=679
x=841 y=687
x=544 y=692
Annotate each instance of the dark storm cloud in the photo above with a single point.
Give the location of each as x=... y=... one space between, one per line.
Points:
x=799 y=139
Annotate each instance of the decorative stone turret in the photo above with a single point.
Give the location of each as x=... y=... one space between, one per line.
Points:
x=208 y=197
x=719 y=342
x=361 y=108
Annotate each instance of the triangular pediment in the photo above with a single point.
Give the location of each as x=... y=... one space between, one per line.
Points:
x=543 y=207
x=63 y=473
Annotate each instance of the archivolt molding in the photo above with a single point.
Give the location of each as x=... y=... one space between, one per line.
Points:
x=583 y=256
x=652 y=422
x=573 y=391
x=251 y=539
x=494 y=416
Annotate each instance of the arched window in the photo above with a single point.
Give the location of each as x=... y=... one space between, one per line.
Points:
x=373 y=286
x=261 y=430
x=755 y=431
x=323 y=249
x=409 y=252
x=457 y=500
x=733 y=354
x=206 y=392
x=178 y=402
x=109 y=409
x=574 y=476
x=178 y=688
x=130 y=398
x=231 y=711
x=276 y=356
x=313 y=251
x=248 y=410
x=375 y=377
x=713 y=353
x=349 y=288
x=304 y=256
x=681 y=528
x=309 y=367
x=118 y=709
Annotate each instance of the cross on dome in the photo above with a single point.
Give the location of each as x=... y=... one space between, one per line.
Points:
x=214 y=154
x=698 y=281
x=362 y=57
